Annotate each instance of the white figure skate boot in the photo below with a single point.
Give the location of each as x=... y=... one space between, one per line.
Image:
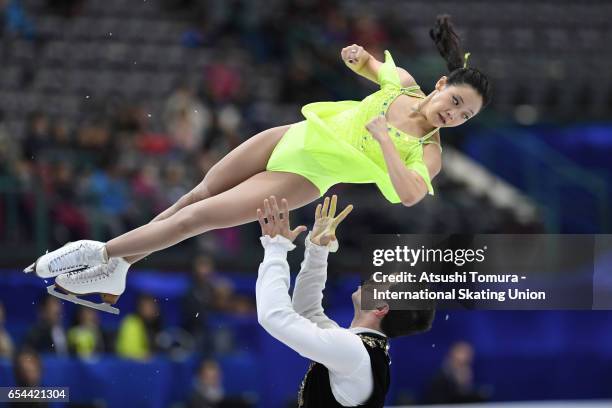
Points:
x=107 y=280
x=74 y=256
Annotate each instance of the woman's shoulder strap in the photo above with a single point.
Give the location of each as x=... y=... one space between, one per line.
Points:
x=427 y=138
x=387 y=73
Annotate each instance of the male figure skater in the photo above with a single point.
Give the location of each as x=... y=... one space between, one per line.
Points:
x=350 y=367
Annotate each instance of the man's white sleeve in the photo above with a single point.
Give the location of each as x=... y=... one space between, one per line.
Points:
x=338 y=349
x=310 y=283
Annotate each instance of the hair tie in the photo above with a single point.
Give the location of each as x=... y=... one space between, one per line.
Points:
x=465 y=58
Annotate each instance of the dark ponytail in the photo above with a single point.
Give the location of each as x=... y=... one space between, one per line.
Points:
x=449 y=45
x=448 y=42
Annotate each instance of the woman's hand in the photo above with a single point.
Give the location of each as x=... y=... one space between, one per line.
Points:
x=354 y=56
x=324 y=228
x=275 y=220
x=378 y=128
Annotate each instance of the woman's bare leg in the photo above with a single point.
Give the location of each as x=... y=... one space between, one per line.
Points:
x=238 y=165
x=235 y=206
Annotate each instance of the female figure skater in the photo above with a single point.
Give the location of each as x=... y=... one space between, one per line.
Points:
x=387 y=138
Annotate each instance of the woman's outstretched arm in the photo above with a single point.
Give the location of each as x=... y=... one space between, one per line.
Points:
x=363 y=63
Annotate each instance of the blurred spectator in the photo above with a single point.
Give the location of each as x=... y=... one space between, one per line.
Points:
x=27 y=368
x=208 y=390
x=6 y=344
x=229 y=302
x=454 y=384
x=299 y=81
x=69 y=221
x=38 y=137
x=85 y=338
x=229 y=122
x=15 y=20
x=211 y=293
x=137 y=336
x=336 y=25
x=10 y=151
x=153 y=143
x=370 y=34
x=109 y=190
x=186 y=119
x=61 y=148
x=48 y=334
x=146 y=200
x=223 y=82
x=175 y=185
x=199 y=300
x=61 y=134
x=130 y=118
x=96 y=144
x=145 y=184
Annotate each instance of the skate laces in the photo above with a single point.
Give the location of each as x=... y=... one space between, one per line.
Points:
x=69 y=260
x=94 y=273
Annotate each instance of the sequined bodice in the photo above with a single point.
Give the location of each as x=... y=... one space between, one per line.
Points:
x=349 y=125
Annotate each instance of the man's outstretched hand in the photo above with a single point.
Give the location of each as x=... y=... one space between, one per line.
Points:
x=324 y=228
x=275 y=221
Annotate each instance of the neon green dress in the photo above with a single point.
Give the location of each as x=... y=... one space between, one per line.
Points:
x=333 y=146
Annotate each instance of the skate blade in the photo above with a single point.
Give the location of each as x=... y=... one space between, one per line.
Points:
x=104 y=307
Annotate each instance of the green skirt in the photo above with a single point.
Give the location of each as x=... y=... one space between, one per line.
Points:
x=310 y=149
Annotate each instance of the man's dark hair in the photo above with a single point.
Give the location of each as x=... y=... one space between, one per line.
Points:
x=449 y=45
x=398 y=323
x=402 y=322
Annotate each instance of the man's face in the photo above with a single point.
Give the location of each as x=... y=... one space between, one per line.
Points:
x=358 y=295
x=367 y=291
